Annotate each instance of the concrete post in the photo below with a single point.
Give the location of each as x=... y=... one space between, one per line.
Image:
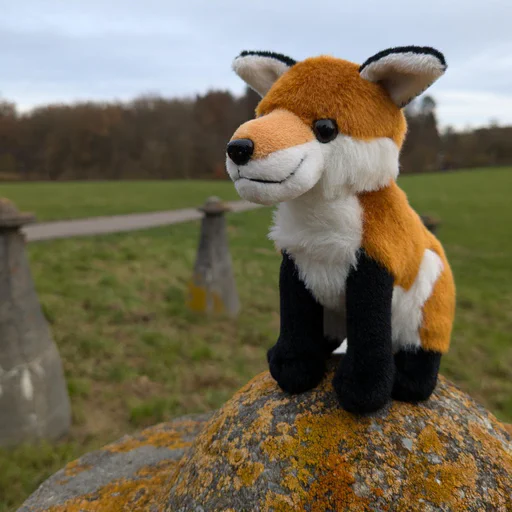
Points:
x=34 y=402
x=431 y=223
x=212 y=288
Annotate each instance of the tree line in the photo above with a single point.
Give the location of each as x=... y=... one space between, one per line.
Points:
x=156 y=138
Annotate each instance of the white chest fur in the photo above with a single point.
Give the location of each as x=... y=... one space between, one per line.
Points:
x=323 y=238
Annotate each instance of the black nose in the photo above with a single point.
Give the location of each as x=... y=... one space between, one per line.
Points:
x=240 y=150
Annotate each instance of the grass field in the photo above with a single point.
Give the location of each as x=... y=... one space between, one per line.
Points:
x=134 y=355
x=74 y=200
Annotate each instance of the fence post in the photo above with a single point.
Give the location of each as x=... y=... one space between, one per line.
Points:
x=212 y=288
x=431 y=223
x=34 y=402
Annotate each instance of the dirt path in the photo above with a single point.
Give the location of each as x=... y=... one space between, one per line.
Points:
x=118 y=223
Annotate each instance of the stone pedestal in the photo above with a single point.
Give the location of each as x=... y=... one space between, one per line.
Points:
x=212 y=288
x=34 y=402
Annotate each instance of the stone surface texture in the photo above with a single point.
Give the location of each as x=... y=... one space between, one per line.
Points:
x=129 y=475
x=34 y=401
x=266 y=451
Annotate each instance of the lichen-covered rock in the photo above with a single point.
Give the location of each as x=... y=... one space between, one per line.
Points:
x=266 y=451
x=129 y=475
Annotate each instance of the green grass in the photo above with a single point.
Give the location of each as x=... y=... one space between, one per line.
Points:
x=139 y=357
x=74 y=200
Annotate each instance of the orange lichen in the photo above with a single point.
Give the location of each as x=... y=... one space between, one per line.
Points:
x=75 y=467
x=260 y=386
x=206 y=479
x=72 y=469
x=202 y=300
x=492 y=447
x=150 y=486
x=439 y=484
x=283 y=428
x=158 y=436
x=279 y=447
x=275 y=502
x=502 y=500
x=147 y=488
x=249 y=472
x=334 y=490
x=429 y=442
x=262 y=424
x=322 y=458
x=237 y=456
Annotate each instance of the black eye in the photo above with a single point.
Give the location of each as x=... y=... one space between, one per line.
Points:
x=325 y=130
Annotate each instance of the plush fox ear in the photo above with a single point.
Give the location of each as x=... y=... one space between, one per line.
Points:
x=405 y=72
x=259 y=70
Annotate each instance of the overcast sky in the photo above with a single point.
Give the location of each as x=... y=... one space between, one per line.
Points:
x=68 y=50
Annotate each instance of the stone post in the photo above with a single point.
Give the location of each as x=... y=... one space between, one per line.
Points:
x=212 y=288
x=34 y=402
x=431 y=223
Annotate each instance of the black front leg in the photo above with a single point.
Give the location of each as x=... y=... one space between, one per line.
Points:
x=364 y=380
x=298 y=360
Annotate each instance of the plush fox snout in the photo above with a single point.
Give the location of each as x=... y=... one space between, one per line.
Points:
x=281 y=129
x=240 y=151
x=274 y=158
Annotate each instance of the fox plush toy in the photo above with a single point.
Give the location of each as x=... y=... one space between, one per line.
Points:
x=357 y=260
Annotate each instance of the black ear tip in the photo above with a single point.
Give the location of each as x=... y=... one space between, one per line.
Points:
x=272 y=55
x=434 y=52
x=419 y=50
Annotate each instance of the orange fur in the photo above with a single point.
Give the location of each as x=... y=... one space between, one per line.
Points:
x=439 y=310
x=362 y=109
x=278 y=130
x=394 y=235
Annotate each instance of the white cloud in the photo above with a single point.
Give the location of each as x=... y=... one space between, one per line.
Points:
x=466 y=108
x=56 y=51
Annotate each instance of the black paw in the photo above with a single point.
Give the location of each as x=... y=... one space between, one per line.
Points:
x=295 y=374
x=362 y=392
x=410 y=389
x=416 y=375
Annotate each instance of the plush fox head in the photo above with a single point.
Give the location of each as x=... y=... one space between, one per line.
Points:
x=325 y=123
